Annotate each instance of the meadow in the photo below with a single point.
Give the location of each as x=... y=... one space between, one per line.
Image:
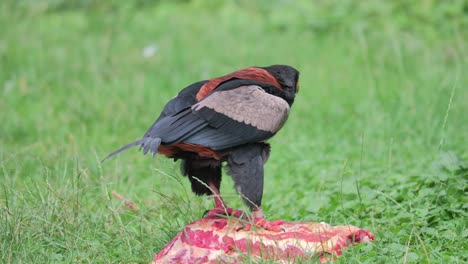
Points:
x=377 y=137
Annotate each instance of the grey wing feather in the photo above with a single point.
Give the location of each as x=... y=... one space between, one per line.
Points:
x=243 y=115
x=250 y=105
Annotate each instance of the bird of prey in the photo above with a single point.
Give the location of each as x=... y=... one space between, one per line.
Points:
x=227 y=119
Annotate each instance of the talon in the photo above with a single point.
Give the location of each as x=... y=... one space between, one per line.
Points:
x=220 y=211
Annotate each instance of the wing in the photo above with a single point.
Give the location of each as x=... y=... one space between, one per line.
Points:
x=238 y=116
x=235 y=113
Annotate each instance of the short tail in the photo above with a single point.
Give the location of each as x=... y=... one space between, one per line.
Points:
x=146 y=143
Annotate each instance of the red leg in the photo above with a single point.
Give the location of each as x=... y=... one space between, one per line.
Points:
x=258 y=220
x=221 y=207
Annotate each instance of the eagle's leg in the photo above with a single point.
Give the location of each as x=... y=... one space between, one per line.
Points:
x=220 y=206
x=246 y=168
x=205 y=178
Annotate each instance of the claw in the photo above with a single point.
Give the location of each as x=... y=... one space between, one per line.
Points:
x=221 y=211
x=220 y=207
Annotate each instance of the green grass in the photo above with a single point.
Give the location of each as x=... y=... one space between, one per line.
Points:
x=377 y=137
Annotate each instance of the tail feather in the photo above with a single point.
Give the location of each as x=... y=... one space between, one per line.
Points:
x=146 y=143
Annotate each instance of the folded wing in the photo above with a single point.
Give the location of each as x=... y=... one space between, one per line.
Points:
x=238 y=116
x=237 y=112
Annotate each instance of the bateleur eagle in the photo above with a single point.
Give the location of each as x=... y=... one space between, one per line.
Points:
x=225 y=119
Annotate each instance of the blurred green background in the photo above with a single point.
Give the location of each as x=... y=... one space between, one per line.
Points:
x=377 y=137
